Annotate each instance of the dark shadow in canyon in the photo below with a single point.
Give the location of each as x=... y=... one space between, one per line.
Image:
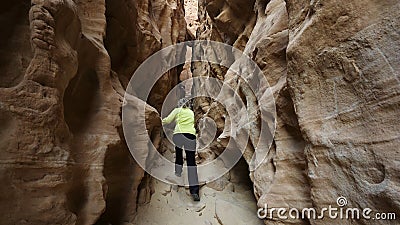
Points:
x=81 y=99
x=15 y=47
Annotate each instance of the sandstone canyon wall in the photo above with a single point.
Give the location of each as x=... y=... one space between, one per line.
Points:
x=333 y=67
x=64 y=67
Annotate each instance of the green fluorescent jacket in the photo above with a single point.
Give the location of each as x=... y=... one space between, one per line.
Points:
x=184 y=118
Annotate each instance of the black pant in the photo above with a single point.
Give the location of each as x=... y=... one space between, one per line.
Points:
x=188 y=142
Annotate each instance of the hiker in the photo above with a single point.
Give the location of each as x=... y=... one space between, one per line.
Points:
x=185 y=138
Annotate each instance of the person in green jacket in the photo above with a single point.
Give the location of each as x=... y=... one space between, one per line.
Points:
x=185 y=138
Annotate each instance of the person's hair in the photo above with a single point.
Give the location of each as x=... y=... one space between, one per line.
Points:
x=183 y=102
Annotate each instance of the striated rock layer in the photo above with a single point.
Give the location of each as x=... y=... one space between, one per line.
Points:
x=65 y=64
x=333 y=68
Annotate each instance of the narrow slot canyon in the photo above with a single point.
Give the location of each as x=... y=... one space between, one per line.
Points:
x=228 y=200
x=311 y=101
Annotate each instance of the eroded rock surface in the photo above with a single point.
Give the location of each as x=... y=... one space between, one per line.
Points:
x=333 y=69
x=63 y=156
x=332 y=66
x=343 y=63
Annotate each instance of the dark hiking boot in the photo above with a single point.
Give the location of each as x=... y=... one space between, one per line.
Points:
x=196 y=197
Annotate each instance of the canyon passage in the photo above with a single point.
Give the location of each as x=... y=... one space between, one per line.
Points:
x=312 y=101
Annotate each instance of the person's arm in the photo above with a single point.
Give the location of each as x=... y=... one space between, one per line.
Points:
x=170 y=117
